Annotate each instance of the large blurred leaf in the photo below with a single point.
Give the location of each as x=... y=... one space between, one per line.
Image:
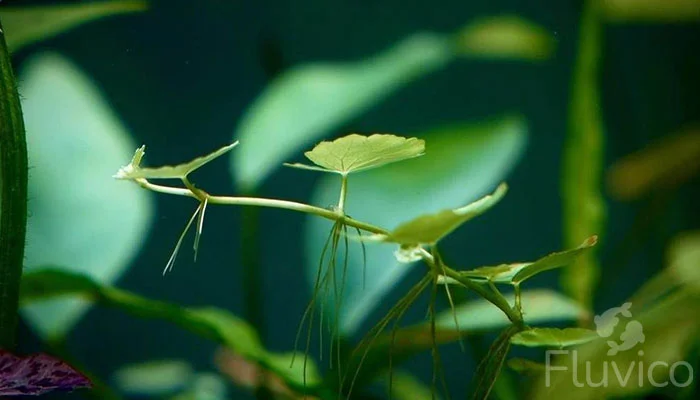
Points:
x=308 y=101
x=506 y=36
x=461 y=163
x=80 y=217
x=209 y=322
x=651 y=10
x=26 y=25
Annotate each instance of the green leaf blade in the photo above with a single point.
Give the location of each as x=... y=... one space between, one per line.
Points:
x=27 y=25
x=354 y=153
x=429 y=229
x=180 y=171
x=553 y=337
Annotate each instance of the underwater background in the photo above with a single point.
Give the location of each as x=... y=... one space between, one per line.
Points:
x=181 y=77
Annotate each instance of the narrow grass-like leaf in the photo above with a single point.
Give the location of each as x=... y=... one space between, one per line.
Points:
x=211 y=323
x=353 y=153
x=518 y=272
x=134 y=171
x=429 y=229
x=26 y=25
x=583 y=204
x=553 y=337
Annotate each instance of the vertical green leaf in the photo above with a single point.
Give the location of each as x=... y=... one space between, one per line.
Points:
x=13 y=197
x=583 y=204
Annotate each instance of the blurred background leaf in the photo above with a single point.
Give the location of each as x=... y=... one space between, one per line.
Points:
x=582 y=199
x=662 y=165
x=154 y=378
x=669 y=335
x=505 y=37
x=26 y=25
x=479 y=154
x=651 y=10
x=80 y=217
x=309 y=101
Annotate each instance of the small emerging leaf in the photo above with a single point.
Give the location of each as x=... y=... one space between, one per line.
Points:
x=430 y=228
x=353 y=153
x=180 y=171
x=519 y=272
x=553 y=337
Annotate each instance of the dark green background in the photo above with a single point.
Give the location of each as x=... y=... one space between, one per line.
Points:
x=181 y=75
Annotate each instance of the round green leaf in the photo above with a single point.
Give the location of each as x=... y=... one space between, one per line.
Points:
x=80 y=217
x=353 y=153
x=461 y=163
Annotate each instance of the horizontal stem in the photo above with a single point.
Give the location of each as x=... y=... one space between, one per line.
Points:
x=263 y=202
